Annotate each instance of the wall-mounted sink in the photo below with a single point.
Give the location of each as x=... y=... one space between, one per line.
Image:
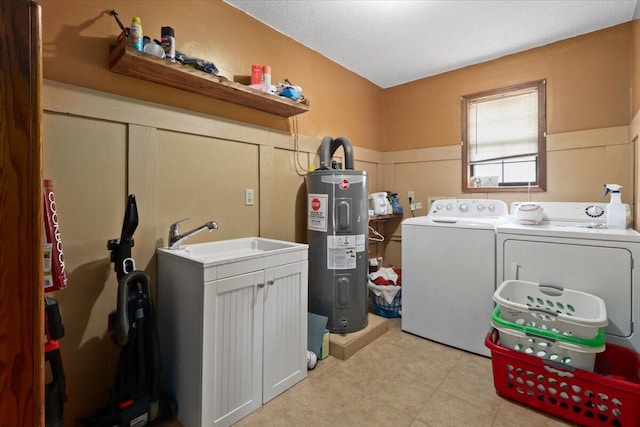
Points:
x=229 y=254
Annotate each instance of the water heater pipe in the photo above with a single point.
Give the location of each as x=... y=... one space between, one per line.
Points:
x=329 y=146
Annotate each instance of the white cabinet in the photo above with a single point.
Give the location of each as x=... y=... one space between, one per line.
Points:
x=235 y=342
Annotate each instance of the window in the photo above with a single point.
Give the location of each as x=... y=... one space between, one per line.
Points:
x=504 y=139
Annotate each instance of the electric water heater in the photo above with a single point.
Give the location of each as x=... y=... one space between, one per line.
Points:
x=337 y=230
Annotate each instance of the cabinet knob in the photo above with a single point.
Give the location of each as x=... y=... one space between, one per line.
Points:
x=261 y=285
x=271 y=282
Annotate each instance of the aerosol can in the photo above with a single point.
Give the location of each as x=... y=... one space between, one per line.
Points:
x=616 y=212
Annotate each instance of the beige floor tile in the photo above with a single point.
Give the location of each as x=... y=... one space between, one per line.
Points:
x=369 y=412
x=325 y=394
x=355 y=372
x=323 y=366
x=446 y=410
x=400 y=391
x=427 y=361
x=471 y=379
x=284 y=411
x=384 y=352
x=512 y=414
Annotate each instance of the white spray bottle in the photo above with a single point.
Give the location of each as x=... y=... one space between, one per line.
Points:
x=616 y=212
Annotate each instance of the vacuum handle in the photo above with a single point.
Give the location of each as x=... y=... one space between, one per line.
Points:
x=130 y=221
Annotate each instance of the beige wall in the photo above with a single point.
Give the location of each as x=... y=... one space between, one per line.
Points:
x=182 y=155
x=588 y=117
x=77 y=34
x=588 y=85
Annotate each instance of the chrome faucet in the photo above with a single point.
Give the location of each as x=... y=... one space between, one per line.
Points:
x=175 y=238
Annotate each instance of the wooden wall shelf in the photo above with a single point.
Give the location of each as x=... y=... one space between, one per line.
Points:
x=124 y=59
x=374 y=218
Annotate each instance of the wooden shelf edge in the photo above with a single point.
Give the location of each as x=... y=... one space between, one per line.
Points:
x=385 y=217
x=124 y=59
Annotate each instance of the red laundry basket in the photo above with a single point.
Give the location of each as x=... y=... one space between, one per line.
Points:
x=608 y=397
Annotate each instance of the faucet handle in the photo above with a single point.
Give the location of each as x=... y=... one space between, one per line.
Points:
x=174 y=229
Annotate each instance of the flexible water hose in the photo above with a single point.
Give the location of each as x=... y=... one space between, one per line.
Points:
x=141 y=280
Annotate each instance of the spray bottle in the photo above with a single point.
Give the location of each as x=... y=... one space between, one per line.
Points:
x=616 y=212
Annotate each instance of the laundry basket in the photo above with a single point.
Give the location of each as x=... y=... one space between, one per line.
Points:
x=566 y=312
x=568 y=352
x=381 y=306
x=608 y=397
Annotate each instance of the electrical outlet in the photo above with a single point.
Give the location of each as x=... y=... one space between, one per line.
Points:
x=248 y=197
x=411 y=195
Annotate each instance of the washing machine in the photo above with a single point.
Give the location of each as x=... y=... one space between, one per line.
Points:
x=573 y=248
x=448 y=272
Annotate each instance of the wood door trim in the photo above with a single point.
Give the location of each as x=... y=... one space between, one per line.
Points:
x=21 y=211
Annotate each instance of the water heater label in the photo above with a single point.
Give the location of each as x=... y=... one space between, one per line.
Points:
x=341 y=252
x=317 y=217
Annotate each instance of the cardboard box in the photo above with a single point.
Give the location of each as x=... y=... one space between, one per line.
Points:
x=343 y=346
x=242 y=79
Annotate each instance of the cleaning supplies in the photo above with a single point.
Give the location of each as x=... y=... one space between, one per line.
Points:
x=379 y=201
x=137 y=37
x=395 y=203
x=616 y=212
x=168 y=42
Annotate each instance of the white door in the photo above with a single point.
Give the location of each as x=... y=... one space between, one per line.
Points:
x=602 y=271
x=232 y=370
x=285 y=328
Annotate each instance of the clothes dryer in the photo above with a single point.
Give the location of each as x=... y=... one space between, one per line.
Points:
x=572 y=248
x=448 y=272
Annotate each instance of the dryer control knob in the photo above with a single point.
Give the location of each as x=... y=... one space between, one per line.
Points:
x=464 y=207
x=492 y=208
x=480 y=207
x=449 y=206
x=594 y=211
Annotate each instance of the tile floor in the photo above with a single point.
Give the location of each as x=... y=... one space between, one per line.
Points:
x=398 y=380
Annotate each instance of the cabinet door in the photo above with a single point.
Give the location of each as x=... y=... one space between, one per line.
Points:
x=232 y=349
x=285 y=328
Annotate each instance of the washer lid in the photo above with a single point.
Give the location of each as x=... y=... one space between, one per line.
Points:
x=453 y=222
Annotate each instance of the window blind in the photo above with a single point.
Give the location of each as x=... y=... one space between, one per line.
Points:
x=503 y=127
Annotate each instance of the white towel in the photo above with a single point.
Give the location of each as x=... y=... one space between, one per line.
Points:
x=388 y=292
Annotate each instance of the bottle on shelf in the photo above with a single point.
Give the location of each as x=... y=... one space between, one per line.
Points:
x=135 y=32
x=266 y=78
x=168 y=42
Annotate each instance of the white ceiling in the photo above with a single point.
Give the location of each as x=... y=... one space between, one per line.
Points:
x=390 y=42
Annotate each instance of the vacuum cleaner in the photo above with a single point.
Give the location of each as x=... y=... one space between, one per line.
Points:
x=55 y=391
x=136 y=400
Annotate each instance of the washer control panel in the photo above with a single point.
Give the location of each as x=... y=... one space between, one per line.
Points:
x=468 y=208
